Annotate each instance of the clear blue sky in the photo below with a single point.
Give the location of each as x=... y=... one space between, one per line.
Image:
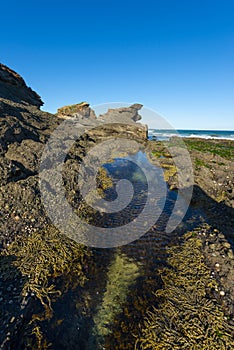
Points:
x=174 y=56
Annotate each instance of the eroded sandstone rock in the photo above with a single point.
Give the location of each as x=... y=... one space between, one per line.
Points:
x=122 y=114
x=79 y=110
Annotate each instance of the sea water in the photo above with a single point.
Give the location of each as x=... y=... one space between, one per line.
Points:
x=165 y=134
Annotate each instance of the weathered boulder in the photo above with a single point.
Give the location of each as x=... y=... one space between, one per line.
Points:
x=14 y=88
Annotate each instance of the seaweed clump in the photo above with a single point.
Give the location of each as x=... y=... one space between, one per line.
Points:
x=186 y=315
x=50 y=263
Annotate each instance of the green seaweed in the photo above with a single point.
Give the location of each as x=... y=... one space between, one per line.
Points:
x=199 y=163
x=122 y=274
x=223 y=149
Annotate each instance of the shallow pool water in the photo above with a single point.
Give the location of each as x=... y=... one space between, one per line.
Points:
x=104 y=313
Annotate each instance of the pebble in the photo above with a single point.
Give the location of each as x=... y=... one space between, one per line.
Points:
x=222 y=293
x=12 y=319
x=226 y=245
x=217 y=265
x=10 y=302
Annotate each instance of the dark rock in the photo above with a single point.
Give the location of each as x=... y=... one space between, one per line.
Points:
x=13 y=87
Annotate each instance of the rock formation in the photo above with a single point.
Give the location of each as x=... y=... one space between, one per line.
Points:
x=80 y=110
x=13 y=87
x=122 y=114
x=24 y=131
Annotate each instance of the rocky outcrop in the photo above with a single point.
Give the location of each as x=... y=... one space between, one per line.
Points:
x=116 y=121
x=25 y=130
x=13 y=87
x=123 y=114
x=79 y=110
x=120 y=115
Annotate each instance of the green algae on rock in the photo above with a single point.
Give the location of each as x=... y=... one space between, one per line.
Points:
x=122 y=274
x=72 y=109
x=212 y=161
x=186 y=315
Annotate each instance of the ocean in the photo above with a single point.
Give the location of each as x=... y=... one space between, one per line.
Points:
x=164 y=134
